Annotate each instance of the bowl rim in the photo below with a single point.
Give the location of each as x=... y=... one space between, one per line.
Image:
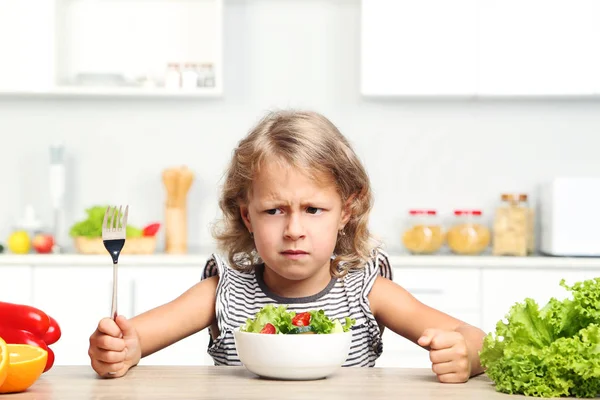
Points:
x=237 y=330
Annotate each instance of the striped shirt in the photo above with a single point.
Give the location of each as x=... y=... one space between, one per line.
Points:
x=241 y=295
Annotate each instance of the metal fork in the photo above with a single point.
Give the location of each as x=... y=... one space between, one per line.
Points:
x=113 y=236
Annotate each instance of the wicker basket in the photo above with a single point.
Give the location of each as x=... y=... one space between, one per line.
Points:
x=137 y=245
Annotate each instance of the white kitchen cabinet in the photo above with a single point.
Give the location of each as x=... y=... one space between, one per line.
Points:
x=503 y=288
x=446 y=289
x=154 y=286
x=538 y=47
x=78 y=297
x=16 y=284
x=27 y=36
x=396 y=359
x=65 y=48
x=480 y=47
x=425 y=47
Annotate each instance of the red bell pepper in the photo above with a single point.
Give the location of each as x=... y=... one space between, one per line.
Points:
x=22 y=324
x=24 y=317
x=53 y=333
x=50 y=361
x=19 y=336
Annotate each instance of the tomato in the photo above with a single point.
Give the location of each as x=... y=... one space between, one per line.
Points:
x=53 y=333
x=150 y=230
x=269 y=329
x=302 y=319
x=24 y=317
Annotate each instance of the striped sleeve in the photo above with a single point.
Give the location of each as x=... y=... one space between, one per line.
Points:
x=383 y=264
x=378 y=265
x=214 y=267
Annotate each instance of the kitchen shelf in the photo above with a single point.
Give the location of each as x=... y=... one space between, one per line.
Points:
x=109 y=92
x=398 y=260
x=109 y=48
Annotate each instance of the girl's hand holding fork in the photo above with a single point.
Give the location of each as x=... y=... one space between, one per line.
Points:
x=114 y=347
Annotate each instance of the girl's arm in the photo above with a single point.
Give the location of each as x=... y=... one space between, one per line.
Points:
x=191 y=312
x=453 y=344
x=118 y=345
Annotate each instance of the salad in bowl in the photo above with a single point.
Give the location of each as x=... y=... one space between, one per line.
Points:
x=281 y=344
x=278 y=320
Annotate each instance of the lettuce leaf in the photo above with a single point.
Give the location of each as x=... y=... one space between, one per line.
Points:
x=92 y=226
x=320 y=323
x=281 y=319
x=339 y=328
x=550 y=352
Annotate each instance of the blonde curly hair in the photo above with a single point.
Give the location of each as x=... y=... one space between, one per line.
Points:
x=306 y=140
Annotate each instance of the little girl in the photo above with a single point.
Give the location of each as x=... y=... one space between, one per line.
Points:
x=296 y=202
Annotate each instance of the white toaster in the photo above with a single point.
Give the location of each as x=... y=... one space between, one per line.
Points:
x=570 y=217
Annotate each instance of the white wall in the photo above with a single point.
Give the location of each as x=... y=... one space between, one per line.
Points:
x=298 y=53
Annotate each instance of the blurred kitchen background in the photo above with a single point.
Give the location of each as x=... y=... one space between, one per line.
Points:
x=430 y=136
x=483 y=108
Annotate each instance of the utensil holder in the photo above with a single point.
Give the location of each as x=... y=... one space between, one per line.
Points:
x=176 y=230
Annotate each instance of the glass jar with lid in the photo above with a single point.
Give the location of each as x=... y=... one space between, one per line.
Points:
x=173 y=76
x=424 y=233
x=468 y=234
x=510 y=226
x=524 y=199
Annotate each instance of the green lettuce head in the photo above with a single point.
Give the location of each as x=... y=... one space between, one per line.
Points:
x=548 y=352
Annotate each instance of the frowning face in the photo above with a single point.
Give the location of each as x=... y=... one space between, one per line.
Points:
x=295 y=220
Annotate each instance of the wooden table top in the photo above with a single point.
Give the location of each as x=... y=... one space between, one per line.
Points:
x=201 y=382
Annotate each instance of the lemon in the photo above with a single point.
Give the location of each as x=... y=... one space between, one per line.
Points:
x=19 y=242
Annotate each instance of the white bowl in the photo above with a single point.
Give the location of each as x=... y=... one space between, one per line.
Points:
x=292 y=357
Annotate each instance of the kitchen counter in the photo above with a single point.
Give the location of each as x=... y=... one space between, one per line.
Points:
x=397 y=259
x=153 y=382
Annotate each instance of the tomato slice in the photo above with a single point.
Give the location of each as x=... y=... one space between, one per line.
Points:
x=302 y=319
x=268 y=329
